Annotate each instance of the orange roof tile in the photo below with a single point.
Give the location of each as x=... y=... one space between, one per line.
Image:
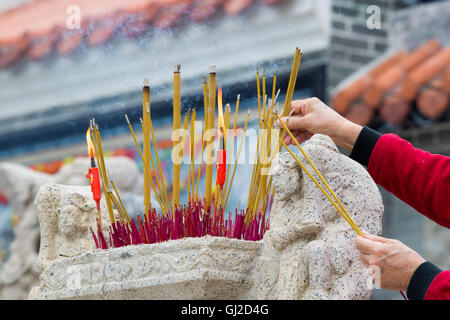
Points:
x=432 y=103
x=425 y=72
x=394 y=110
x=343 y=98
x=392 y=76
x=433 y=100
x=359 y=113
x=446 y=79
x=422 y=75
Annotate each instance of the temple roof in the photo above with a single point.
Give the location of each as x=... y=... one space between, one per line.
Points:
x=35 y=29
x=395 y=86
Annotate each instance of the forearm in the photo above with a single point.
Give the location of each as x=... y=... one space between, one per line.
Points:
x=419 y=178
x=428 y=281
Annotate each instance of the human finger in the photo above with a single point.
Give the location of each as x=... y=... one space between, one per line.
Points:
x=302 y=106
x=376 y=238
x=295 y=122
x=367 y=246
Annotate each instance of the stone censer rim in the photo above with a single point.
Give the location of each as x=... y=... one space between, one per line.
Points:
x=168 y=246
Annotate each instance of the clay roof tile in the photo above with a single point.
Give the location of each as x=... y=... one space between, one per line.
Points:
x=388 y=79
x=425 y=72
x=359 y=113
x=394 y=109
x=343 y=99
x=39 y=18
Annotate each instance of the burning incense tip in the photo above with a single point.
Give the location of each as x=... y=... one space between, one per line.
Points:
x=146 y=82
x=212 y=69
x=90 y=144
x=128 y=120
x=239 y=96
x=177 y=68
x=205 y=79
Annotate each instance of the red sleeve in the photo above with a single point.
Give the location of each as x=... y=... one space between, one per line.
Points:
x=440 y=287
x=417 y=177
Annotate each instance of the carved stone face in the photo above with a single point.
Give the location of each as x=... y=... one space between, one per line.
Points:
x=74 y=216
x=286 y=176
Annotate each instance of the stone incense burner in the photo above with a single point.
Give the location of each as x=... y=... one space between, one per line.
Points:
x=308 y=253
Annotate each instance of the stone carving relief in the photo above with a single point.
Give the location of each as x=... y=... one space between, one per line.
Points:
x=308 y=252
x=21 y=185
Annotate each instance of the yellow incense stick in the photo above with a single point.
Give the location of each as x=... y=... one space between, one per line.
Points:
x=161 y=193
x=274 y=88
x=146 y=134
x=211 y=125
x=205 y=108
x=155 y=146
x=121 y=202
x=192 y=153
x=102 y=162
x=176 y=127
x=259 y=97
x=99 y=218
x=264 y=92
x=146 y=168
x=342 y=210
x=236 y=161
x=236 y=112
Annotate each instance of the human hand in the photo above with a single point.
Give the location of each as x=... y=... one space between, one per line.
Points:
x=396 y=262
x=311 y=116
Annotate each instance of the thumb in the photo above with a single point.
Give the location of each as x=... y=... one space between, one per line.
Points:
x=375 y=238
x=296 y=122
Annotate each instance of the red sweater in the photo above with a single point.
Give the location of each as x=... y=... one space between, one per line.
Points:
x=420 y=179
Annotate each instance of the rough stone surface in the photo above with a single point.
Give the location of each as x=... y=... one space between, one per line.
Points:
x=66 y=216
x=308 y=253
x=20 y=185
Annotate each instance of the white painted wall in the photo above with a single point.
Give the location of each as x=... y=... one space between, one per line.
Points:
x=9 y=4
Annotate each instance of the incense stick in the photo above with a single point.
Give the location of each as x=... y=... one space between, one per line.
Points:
x=176 y=127
x=98 y=141
x=155 y=146
x=237 y=160
x=341 y=208
x=211 y=125
x=146 y=134
x=236 y=112
x=121 y=202
x=144 y=163
x=150 y=157
x=192 y=152
x=205 y=109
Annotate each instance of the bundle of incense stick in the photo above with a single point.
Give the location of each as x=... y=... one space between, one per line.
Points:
x=205 y=216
